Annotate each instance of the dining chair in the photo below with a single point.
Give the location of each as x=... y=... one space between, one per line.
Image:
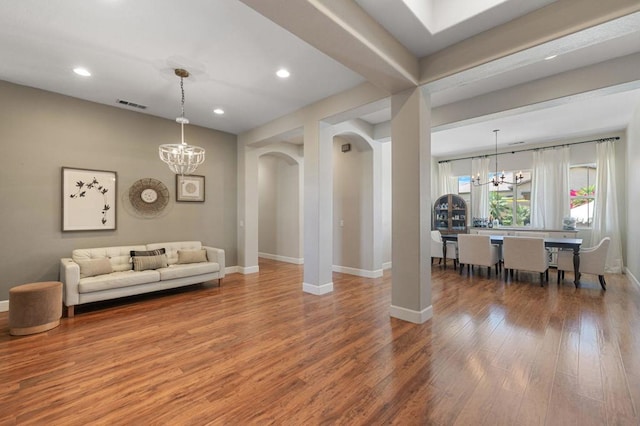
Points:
x=476 y=249
x=526 y=254
x=436 y=248
x=592 y=261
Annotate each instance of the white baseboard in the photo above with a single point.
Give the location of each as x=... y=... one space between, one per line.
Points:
x=318 y=290
x=386 y=265
x=631 y=276
x=359 y=272
x=248 y=270
x=417 y=317
x=231 y=270
x=297 y=261
x=4 y=305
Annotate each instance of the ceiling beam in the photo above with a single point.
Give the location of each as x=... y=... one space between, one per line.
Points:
x=346 y=33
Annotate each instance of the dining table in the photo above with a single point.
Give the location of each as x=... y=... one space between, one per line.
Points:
x=560 y=243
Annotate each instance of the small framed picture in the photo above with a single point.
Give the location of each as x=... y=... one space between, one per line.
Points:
x=190 y=188
x=88 y=200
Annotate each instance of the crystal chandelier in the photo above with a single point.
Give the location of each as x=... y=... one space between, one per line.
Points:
x=498 y=180
x=181 y=158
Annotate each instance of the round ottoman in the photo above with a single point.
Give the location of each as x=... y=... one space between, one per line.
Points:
x=35 y=307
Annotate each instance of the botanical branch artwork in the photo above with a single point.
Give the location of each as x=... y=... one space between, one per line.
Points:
x=88 y=200
x=95 y=185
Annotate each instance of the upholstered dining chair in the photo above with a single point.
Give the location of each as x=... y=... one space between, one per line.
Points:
x=495 y=232
x=527 y=254
x=592 y=261
x=476 y=249
x=436 y=248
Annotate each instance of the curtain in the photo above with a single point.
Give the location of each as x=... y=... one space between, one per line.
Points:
x=480 y=194
x=550 y=199
x=605 y=216
x=447 y=183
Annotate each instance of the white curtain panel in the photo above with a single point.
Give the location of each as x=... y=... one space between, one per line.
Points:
x=550 y=199
x=447 y=183
x=605 y=216
x=480 y=194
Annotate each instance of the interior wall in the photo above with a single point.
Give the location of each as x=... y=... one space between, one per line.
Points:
x=352 y=206
x=386 y=204
x=632 y=199
x=41 y=132
x=278 y=206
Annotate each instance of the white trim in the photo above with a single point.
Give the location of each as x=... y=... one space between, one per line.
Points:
x=386 y=265
x=297 y=261
x=248 y=270
x=631 y=276
x=318 y=290
x=231 y=270
x=4 y=305
x=417 y=317
x=359 y=272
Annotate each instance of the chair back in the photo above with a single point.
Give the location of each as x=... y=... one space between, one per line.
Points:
x=474 y=249
x=525 y=253
x=594 y=259
x=436 y=236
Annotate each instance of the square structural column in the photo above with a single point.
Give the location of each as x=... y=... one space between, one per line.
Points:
x=411 y=207
x=318 y=209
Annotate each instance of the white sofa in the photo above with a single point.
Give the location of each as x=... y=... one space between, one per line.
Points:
x=125 y=281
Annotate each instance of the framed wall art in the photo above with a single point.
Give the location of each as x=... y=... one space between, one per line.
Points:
x=190 y=188
x=88 y=199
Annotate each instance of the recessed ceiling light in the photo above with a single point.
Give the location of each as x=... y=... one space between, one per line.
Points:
x=218 y=111
x=283 y=73
x=550 y=57
x=82 y=71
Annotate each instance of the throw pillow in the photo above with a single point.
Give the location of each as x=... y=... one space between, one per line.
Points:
x=155 y=252
x=93 y=267
x=142 y=263
x=192 y=256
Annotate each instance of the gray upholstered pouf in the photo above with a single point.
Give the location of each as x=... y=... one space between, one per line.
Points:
x=35 y=307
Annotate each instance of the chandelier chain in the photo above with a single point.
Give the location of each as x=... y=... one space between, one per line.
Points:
x=182 y=101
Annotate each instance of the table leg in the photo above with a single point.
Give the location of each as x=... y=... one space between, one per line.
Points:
x=576 y=266
x=444 y=253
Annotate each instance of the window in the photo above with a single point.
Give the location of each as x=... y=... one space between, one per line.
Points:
x=505 y=199
x=582 y=186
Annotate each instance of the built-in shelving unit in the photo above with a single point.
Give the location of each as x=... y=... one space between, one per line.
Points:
x=450 y=214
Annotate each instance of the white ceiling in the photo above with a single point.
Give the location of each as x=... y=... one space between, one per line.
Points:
x=132 y=47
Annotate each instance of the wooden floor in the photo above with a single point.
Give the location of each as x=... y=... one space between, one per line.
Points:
x=260 y=351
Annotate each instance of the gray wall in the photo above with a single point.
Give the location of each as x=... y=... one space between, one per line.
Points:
x=40 y=132
x=352 y=204
x=278 y=206
x=632 y=195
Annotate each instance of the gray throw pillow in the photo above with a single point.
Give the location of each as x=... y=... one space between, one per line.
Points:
x=93 y=267
x=192 y=256
x=142 y=263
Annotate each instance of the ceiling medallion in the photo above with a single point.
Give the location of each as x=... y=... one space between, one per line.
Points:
x=148 y=196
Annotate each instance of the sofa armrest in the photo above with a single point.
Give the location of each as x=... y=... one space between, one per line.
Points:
x=216 y=255
x=70 y=277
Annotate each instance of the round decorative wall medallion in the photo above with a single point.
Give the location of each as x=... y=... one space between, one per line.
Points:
x=148 y=196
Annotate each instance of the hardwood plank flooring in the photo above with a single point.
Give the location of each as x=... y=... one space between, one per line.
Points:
x=260 y=351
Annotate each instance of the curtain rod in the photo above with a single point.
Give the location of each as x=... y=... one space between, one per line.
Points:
x=613 y=138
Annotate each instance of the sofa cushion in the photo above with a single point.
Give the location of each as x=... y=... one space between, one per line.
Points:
x=119 y=257
x=188 y=270
x=192 y=256
x=93 y=267
x=117 y=280
x=143 y=263
x=173 y=247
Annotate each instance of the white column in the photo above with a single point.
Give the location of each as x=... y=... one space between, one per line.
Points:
x=247 y=210
x=411 y=183
x=318 y=209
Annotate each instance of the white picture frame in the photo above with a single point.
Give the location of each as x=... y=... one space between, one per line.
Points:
x=88 y=199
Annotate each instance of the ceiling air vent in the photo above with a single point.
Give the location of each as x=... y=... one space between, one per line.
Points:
x=516 y=143
x=130 y=104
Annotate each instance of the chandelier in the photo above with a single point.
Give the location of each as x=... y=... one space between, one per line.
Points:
x=181 y=158
x=498 y=180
